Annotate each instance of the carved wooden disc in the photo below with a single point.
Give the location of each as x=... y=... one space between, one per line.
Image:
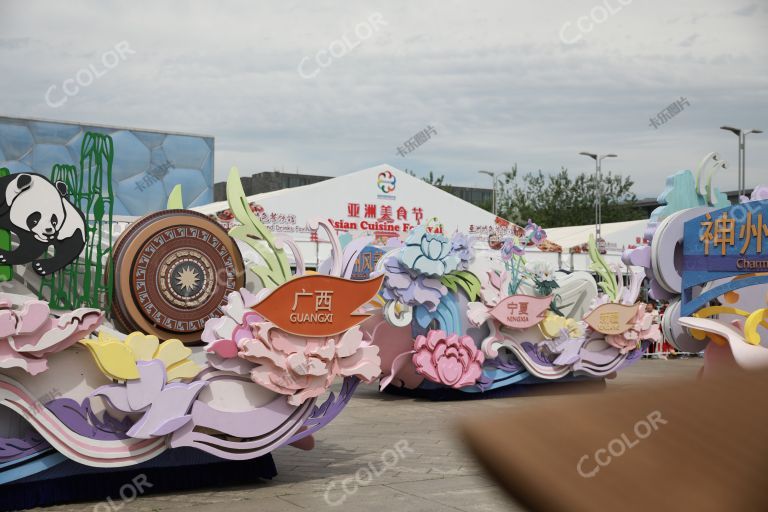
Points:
x=173 y=271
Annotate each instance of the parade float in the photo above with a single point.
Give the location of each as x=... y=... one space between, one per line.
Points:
x=707 y=260
x=181 y=340
x=137 y=345
x=456 y=319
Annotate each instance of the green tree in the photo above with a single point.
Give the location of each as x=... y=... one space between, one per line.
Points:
x=561 y=200
x=434 y=179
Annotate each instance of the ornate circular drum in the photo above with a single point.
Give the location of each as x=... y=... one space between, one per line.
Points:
x=173 y=271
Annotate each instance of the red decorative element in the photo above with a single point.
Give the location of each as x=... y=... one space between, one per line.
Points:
x=225 y=215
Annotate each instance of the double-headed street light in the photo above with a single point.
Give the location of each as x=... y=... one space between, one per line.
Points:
x=599 y=199
x=493 y=191
x=742 y=135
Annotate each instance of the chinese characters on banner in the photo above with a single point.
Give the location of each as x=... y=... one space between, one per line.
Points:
x=366 y=263
x=722 y=232
x=396 y=219
x=721 y=244
x=611 y=318
x=318 y=305
x=521 y=311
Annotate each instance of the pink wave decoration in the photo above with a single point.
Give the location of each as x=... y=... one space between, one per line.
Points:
x=29 y=333
x=98 y=453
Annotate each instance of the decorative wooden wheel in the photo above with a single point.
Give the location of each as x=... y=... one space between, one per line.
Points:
x=173 y=271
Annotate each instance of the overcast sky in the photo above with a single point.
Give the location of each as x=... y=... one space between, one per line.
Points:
x=501 y=82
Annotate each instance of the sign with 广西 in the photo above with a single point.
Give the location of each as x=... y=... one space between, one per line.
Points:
x=318 y=305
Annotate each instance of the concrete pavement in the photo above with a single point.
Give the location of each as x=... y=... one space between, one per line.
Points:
x=385 y=453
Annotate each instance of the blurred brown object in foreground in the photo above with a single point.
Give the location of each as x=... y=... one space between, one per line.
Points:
x=700 y=446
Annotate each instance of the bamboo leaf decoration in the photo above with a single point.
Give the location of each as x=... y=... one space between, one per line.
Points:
x=6 y=271
x=607 y=280
x=464 y=279
x=252 y=232
x=175 y=201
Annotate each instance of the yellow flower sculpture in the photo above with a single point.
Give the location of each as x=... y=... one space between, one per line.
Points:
x=553 y=323
x=117 y=359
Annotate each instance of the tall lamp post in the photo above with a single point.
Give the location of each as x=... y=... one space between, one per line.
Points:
x=599 y=200
x=493 y=189
x=742 y=135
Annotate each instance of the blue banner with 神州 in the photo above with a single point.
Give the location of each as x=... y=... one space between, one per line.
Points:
x=721 y=244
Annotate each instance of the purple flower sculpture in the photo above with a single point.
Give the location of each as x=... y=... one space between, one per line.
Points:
x=534 y=233
x=461 y=246
x=760 y=193
x=509 y=249
x=409 y=288
x=165 y=406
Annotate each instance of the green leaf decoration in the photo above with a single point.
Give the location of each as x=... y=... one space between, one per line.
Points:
x=87 y=281
x=277 y=270
x=465 y=280
x=607 y=279
x=6 y=271
x=175 y=199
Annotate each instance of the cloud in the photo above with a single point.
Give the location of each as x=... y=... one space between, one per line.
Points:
x=747 y=10
x=688 y=41
x=497 y=83
x=13 y=43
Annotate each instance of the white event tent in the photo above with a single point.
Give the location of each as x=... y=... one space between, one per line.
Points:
x=384 y=202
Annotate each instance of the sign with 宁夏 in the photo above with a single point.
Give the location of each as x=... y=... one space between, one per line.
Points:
x=521 y=311
x=318 y=305
x=721 y=244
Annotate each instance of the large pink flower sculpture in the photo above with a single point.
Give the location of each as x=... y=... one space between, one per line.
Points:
x=29 y=333
x=642 y=329
x=302 y=367
x=452 y=360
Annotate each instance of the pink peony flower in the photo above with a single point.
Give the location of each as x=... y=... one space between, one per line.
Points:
x=451 y=360
x=28 y=334
x=642 y=329
x=304 y=367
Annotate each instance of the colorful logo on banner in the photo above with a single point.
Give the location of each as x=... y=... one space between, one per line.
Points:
x=724 y=243
x=611 y=318
x=521 y=311
x=386 y=182
x=318 y=305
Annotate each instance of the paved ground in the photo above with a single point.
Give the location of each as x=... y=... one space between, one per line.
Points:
x=410 y=443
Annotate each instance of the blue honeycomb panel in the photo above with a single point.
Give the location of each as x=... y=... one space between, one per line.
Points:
x=147 y=165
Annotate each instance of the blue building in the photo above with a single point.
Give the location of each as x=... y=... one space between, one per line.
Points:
x=146 y=167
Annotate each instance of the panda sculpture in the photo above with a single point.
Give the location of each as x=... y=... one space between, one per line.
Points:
x=39 y=214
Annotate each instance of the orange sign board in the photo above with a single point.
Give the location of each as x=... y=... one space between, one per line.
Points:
x=318 y=305
x=611 y=318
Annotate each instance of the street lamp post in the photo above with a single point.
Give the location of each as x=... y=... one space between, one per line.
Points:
x=493 y=190
x=742 y=135
x=599 y=199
